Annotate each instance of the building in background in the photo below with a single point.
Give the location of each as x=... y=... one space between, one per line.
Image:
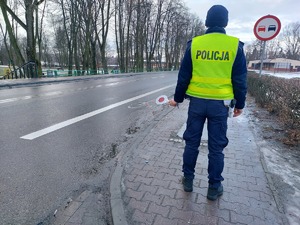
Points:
x=276 y=65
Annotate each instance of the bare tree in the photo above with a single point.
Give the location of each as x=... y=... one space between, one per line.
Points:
x=12 y=37
x=291 y=38
x=154 y=29
x=105 y=17
x=123 y=21
x=175 y=39
x=70 y=22
x=30 y=6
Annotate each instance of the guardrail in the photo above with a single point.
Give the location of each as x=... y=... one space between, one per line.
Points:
x=27 y=70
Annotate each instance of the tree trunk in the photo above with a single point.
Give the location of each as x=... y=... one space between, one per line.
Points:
x=12 y=38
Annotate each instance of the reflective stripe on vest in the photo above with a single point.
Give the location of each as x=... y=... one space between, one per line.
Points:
x=213 y=56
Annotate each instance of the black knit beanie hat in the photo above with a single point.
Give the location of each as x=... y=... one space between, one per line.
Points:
x=217 y=15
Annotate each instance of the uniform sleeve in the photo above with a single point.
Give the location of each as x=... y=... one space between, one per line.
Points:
x=184 y=75
x=239 y=77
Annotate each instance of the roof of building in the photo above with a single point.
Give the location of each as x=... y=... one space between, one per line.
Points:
x=278 y=60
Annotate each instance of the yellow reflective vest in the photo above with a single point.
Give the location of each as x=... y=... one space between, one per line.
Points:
x=213 y=56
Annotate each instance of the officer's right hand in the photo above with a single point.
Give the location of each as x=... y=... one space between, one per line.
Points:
x=237 y=112
x=172 y=103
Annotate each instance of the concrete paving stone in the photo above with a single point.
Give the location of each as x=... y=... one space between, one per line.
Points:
x=202 y=192
x=130 y=177
x=221 y=221
x=132 y=185
x=260 y=187
x=272 y=216
x=255 y=212
x=171 y=177
x=235 y=207
x=175 y=185
x=180 y=214
x=245 y=192
x=229 y=156
x=262 y=180
x=158 y=209
x=228 y=176
x=157 y=175
x=202 y=219
x=247 y=179
x=140 y=217
x=248 y=169
x=230 y=165
x=259 y=173
x=237 y=171
x=194 y=207
x=176 y=164
x=166 y=157
x=178 y=173
x=141 y=205
x=186 y=196
x=237 y=184
x=203 y=181
x=216 y=212
x=166 y=192
x=160 y=183
x=138 y=195
x=266 y=197
x=139 y=164
x=258 y=221
x=160 y=220
x=263 y=205
x=144 y=179
x=196 y=182
x=153 y=198
x=147 y=188
x=150 y=167
x=237 y=218
x=162 y=164
x=178 y=203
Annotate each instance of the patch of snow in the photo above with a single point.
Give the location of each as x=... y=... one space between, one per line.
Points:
x=287 y=75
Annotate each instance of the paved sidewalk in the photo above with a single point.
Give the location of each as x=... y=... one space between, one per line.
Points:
x=146 y=185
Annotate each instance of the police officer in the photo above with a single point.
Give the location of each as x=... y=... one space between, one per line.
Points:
x=212 y=73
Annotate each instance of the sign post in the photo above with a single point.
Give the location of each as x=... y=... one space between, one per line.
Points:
x=266 y=28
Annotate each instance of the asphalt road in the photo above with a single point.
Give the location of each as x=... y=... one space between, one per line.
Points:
x=54 y=137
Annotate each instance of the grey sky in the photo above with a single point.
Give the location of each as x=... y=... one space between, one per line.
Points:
x=243 y=14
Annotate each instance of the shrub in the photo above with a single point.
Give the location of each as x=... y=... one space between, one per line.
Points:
x=280 y=97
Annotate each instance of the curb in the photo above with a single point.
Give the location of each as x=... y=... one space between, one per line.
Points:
x=36 y=81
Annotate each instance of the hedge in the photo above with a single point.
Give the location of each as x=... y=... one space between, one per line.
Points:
x=281 y=97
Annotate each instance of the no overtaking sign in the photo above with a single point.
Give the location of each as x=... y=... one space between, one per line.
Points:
x=267 y=27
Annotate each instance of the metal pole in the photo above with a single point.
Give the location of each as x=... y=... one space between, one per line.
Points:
x=262 y=57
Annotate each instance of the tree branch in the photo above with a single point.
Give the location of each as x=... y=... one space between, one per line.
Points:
x=15 y=16
x=38 y=2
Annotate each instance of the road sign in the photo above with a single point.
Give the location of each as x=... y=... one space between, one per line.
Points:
x=163 y=99
x=267 y=27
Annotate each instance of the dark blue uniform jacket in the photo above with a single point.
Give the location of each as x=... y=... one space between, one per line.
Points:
x=239 y=73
